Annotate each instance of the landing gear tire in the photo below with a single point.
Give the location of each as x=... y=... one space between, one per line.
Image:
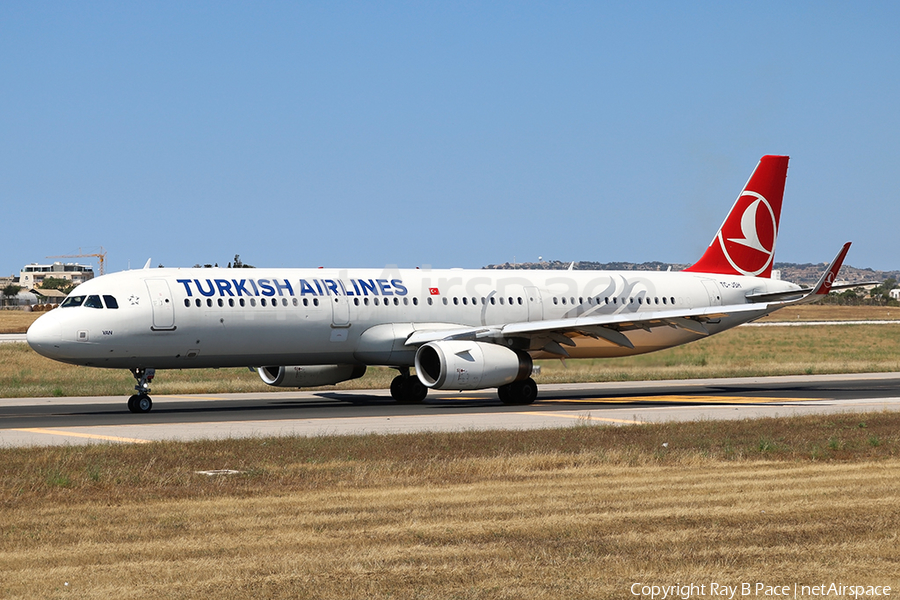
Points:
x=408 y=390
x=518 y=393
x=140 y=403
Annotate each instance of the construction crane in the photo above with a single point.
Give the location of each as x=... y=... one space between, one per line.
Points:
x=101 y=257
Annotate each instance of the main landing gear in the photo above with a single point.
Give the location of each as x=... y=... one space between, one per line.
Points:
x=518 y=393
x=407 y=389
x=141 y=402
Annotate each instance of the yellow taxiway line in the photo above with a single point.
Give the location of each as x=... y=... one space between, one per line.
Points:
x=670 y=399
x=90 y=436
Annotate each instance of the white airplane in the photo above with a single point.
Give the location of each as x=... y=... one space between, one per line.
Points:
x=459 y=329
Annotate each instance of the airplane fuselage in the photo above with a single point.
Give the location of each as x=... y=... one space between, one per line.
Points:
x=193 y=318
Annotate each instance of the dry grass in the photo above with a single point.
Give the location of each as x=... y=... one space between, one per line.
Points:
x=831 y=312
x=576 y=513
x=16 y=321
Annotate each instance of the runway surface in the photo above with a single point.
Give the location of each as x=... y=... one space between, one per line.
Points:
x=49 y=421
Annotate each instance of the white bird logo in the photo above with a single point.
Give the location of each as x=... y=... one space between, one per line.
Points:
x=748 y=228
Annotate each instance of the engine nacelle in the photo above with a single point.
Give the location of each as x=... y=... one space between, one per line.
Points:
x=310 y=375
x=466 y=365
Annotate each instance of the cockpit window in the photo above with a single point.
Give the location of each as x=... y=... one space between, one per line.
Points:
x=73 y=301
x=110 y=302
x=93 y=302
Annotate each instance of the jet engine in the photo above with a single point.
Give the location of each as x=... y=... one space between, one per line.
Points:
x=466 y=365
x=310 y=375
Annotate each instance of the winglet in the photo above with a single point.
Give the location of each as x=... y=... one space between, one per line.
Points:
x=147 y=264
x=823 y=286
x=827 y=279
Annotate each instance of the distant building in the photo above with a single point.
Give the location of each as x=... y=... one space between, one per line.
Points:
x=895 y=293
x=33 y=275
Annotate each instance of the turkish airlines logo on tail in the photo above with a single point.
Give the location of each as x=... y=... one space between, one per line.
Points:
x=749 y=242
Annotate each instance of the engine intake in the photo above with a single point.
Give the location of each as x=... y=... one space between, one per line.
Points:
x=466 y=365
x=310 y=375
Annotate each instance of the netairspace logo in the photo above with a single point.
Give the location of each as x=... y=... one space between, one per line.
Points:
x=756 y=589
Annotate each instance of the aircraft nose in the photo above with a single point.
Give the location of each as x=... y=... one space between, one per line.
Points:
x=44 y=335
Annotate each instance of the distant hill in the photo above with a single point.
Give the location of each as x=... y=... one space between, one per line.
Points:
x=807 y=273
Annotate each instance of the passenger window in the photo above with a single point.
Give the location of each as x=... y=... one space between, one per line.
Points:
x=231 y=302
x=429 y=301
x=396 y=301
x=187 y=303
x=262 y=301
x=356 y=301
x=664 y=299
x=252 y=301
x=73 y=301
x=294 y=301
x=93 y=302
x=209 y=302
x=110 y=302
x=315 y=301
x=221 y=303
x=415 y=301
x=243 y=302
x=197 y=302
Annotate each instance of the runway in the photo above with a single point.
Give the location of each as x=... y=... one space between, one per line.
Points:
x=75 y=421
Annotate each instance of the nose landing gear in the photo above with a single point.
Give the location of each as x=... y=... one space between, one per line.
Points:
x=141 y=402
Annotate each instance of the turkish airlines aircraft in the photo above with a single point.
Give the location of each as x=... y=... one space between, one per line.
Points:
x=460 y=329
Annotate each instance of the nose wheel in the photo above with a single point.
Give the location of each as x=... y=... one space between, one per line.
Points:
x=141 y=402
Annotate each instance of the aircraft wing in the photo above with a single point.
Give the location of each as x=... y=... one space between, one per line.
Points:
x=608 y=327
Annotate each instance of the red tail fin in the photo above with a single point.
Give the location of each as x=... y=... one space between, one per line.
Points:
x=745 y=243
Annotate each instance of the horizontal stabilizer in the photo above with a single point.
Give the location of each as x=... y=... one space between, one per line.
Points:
x=822 y=287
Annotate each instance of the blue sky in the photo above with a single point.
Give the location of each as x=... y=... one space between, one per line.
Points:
x=450 y=134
